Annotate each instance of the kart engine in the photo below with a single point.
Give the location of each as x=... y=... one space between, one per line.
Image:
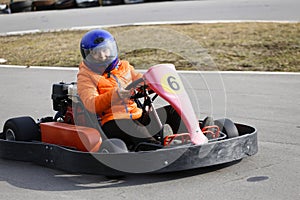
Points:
x=63 y=94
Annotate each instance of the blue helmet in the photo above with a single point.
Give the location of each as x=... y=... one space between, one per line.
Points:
x=99 y=50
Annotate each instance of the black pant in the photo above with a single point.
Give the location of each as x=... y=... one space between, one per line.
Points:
x=132 y=132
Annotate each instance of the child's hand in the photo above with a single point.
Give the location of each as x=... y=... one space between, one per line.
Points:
x=124 y=94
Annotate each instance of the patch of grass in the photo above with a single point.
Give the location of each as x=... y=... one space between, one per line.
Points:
x=221 y=46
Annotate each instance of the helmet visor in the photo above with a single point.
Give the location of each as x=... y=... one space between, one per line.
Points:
x=102 y=55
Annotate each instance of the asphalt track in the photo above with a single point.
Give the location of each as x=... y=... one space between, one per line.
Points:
x=268 y=101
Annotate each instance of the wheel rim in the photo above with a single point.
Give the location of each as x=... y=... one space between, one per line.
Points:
x=10 y=135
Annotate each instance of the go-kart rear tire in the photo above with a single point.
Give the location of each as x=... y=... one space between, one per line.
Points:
x=21 y=129
x=228 y=127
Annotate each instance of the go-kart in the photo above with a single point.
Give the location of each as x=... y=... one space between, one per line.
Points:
x=73 y=140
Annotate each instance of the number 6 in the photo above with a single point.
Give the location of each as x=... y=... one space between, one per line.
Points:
x=173 y=83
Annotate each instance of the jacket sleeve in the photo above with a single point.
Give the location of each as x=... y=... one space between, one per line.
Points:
x=91 y=98
x=134 y=74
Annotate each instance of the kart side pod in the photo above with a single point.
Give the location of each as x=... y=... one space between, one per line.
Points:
x=71 y=136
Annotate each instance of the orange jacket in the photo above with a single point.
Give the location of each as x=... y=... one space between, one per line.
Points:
x=99 y=92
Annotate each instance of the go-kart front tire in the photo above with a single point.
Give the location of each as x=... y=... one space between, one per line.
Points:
x=21 y=129
x=228 y=127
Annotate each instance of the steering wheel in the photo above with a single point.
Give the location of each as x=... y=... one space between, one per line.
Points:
x=134 y=83
x=140 y=90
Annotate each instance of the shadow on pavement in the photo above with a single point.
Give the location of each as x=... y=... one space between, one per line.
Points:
x=30 y=176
